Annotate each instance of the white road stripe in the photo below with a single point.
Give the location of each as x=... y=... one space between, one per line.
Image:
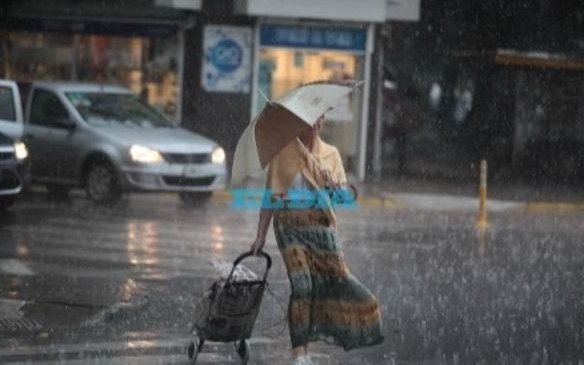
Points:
x=176 y=237
x=10 y=308
x=165 y=234
x=14 y=267
x=105 y=353
x=204 y=358
x=133 y=344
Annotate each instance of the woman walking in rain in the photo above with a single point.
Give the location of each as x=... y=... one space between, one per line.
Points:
x=327 y=303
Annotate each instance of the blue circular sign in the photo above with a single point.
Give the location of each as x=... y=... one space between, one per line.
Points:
x=227 y=55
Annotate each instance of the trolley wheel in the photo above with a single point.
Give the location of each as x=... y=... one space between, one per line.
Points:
x=195 y=348
x=243 y=351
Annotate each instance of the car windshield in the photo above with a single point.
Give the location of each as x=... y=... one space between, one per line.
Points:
x=105 y=109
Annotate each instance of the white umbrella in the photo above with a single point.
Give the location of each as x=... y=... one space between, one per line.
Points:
x=281 y=121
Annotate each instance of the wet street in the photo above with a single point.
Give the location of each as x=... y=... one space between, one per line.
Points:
x=80 y=284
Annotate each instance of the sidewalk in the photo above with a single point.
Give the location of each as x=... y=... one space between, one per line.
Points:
x=532 y=196
x=462 y=194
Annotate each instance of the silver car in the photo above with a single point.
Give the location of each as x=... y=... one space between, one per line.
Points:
x=107 y=140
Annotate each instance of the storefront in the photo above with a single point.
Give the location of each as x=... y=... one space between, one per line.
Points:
x=127 y=47
x=302 y=41
x=148 y=66
x=198 y=62
x=547 y=135
x=290 y=55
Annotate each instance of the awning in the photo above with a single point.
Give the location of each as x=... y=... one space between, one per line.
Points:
x=403 y=10
x=538 y=60
x=117 y=17
x=365 y=11
x=87 y=25
x=340 y=10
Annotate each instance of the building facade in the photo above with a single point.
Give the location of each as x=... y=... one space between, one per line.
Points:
x=292 y=42
x=120 y=42
x=500 y=80
x=211 y=65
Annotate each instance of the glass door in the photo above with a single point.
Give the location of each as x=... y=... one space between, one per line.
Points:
x=283 y=69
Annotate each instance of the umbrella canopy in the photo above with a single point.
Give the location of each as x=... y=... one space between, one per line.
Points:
x=281 y=121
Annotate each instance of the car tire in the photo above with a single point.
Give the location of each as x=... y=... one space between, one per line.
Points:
x=102 y=184
x=58 y=191
x=7 y=201
x=195 y=199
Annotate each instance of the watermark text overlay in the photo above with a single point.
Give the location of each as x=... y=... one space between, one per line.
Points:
x=257 y=198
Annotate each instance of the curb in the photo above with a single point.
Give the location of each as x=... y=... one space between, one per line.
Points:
x=384 y=202
x=550 y=207
x=390 y=202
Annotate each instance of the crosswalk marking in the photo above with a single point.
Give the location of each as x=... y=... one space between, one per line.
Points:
x=148 y=350
x=108 y=246
x=141 y=248
x=10 y=308
x=14 y=267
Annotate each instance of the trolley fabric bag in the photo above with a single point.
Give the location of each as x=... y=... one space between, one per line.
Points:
x=228 y=311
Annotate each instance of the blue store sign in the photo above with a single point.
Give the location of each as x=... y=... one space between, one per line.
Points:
x=227 y=55
x=227 y=59
x=341 y=38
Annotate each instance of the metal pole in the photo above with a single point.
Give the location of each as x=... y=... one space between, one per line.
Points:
x=181 y=35
x=365 y=103
x=5 y=39
x=482 y=216
x=377 y=141
x=75 y=58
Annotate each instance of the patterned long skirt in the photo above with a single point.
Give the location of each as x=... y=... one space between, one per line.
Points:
x=327 y=303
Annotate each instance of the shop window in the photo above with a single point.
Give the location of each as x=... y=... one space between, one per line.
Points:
x=283 y=69
x=37 y=56
x=46 y=109
x=147 y=66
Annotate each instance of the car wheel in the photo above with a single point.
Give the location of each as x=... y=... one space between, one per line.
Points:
x=243 y=350
x=195 y=348
x=195 y=199
x=102 y=184
x=58 y=191
x=7 y=201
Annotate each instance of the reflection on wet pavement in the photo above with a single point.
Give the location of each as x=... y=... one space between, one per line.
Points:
x=142 y=247
x=450 y=293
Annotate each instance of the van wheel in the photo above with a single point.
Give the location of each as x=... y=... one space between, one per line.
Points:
x=102 y=184
x=195 y=199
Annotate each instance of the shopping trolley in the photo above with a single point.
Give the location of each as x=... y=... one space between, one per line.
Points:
x=228 y=311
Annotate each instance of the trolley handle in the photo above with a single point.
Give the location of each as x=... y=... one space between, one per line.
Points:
x=248 y=254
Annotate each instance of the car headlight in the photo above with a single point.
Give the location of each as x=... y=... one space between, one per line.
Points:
x=20 y=151
x=145 y=154
x=218 y=155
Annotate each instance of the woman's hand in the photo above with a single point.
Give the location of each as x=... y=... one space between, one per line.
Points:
x=329 y=181
x=258 y=245
x=263 y=224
